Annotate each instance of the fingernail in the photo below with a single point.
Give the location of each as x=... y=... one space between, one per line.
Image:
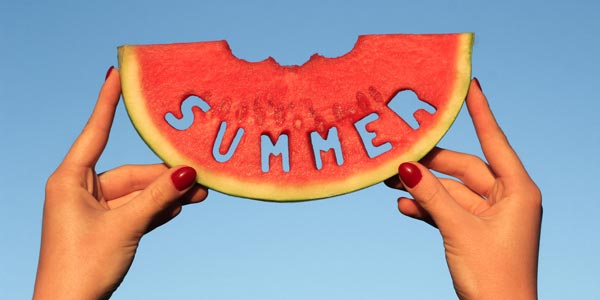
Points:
x=478 y=84
x=183 y=178
x=410 y=174
x=108 y=72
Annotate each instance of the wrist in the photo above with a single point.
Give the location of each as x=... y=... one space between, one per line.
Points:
x=499 y=290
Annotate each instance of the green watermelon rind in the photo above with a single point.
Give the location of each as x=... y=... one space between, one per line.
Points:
x=135 y=105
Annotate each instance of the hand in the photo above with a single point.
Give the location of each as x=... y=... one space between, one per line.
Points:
x=489 y=218
x=92 y=223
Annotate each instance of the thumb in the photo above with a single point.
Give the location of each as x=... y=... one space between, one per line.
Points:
x=430 y=194
x=159 y=201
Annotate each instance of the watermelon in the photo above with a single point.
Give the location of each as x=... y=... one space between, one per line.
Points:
x=261 y=130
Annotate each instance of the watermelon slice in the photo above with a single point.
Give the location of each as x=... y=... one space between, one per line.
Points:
x=288 y=133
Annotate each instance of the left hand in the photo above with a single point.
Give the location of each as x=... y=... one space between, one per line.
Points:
x=93 y=223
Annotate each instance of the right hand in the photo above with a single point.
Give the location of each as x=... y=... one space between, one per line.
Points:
x=489 y=218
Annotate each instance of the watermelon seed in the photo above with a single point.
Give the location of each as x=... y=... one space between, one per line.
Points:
x=279 y=114
x=338 y=111
x=362 y=101
x=259 y=112
x=224 y=106
x=375 y=94
x=242 y=113
x=298 y=122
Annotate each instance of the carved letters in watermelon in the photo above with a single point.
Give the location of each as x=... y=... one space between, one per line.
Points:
x=280 y=146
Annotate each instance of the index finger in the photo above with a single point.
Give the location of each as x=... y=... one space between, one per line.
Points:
x=88 y=147
x=501 y=157
x=129 y=178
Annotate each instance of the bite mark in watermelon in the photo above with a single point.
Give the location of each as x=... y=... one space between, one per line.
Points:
x=288 y=133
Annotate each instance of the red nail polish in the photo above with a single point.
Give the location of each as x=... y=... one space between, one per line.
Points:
x=183 y=178
x=409 y=174
x=477 y=82
x=108 y=72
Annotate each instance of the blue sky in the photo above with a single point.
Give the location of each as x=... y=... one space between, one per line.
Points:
x=537 y=62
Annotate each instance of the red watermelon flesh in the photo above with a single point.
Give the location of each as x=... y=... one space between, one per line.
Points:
x=196 y=104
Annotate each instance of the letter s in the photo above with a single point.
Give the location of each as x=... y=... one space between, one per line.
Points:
x=187 y=115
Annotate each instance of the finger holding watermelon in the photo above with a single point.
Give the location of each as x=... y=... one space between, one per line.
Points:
x=489 y=218
x=93 y=223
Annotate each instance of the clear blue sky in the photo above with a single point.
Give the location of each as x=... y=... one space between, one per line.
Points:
x=537 y=61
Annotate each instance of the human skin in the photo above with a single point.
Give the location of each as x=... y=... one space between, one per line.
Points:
x=489 y=214
x=93 y=223
x=489 y=217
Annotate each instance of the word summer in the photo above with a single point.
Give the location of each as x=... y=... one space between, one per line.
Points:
x=281 y=147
